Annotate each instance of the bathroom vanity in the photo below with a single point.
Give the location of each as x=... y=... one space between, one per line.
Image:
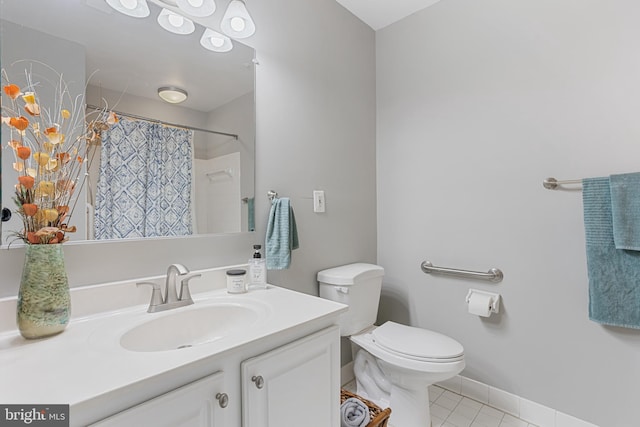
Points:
x=265 y=358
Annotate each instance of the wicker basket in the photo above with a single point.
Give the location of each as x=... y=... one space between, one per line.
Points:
x=379 y=417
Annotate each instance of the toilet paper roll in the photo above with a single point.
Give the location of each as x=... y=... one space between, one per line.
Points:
x=480 y=304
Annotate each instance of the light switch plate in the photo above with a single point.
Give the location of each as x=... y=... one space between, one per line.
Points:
x=318 y=201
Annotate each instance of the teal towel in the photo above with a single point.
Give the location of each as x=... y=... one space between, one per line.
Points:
x=625 y=205
x=251 y=212
x=282 y=235
x=614 y=274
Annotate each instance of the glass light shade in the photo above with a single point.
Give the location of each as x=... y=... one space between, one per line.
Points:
x=135 y=8
x=198 y=8
x=172 y=94
x=215 y=41
x=237 y=22
x=175 y=22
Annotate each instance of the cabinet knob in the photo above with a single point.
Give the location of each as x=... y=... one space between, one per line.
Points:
x=258 y=380
x=223 y=399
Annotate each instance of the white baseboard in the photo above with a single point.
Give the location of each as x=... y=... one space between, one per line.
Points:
x=517 y=406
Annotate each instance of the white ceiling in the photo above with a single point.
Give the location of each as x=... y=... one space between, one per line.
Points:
x=380 y=13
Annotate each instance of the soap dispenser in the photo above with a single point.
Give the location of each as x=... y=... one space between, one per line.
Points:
x=257 y=270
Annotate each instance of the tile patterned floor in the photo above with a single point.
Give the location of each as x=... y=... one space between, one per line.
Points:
x=449 y=409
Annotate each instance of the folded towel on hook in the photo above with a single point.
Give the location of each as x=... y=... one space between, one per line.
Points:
x=625 y=208
x=282 y=234
x=354 y=413
x=614 y=274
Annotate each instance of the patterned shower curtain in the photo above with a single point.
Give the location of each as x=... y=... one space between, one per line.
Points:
x=144 y=186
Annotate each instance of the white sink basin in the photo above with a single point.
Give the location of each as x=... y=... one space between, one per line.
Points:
x=190 y=327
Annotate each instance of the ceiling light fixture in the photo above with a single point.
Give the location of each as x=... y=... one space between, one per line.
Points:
x=237 y=22
x=197 y=8
x=172 y=94
x=175 y=22
x=135 y=8
x=215 y=41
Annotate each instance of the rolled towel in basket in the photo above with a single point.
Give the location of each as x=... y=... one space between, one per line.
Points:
x=354 y=413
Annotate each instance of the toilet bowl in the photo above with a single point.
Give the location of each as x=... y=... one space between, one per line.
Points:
x=394 y=364
x=410 y=359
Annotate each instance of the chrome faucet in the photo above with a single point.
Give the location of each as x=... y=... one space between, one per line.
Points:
x=170 y=292
x=171 y=298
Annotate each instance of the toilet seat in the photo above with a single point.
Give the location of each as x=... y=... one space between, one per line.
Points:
x=417 y=343
x=418 y=364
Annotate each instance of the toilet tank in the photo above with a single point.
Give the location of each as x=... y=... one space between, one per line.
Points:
x=358 y=286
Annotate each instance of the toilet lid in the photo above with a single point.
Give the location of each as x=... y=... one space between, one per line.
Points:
x=417 y=343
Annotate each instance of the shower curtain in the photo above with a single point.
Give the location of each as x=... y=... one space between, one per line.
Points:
x=144 y=185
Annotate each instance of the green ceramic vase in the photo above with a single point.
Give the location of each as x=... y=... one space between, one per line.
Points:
x=44 y=303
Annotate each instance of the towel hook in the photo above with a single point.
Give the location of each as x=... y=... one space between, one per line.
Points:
x=272 y=195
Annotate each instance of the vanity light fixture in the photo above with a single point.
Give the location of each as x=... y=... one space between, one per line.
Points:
x=197 y=8
x=215 y=41
x=237 y=22
x=135 y=8
x=175 y=23
x=172 y=94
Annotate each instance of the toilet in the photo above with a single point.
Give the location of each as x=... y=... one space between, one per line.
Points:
x=394 y=364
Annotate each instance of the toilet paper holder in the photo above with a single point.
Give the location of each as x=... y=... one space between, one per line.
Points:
x=494 y=299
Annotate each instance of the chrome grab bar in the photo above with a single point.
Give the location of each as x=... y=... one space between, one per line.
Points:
x=493 y=275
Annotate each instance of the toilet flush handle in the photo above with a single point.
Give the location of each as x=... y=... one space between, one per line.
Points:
x=342 y=289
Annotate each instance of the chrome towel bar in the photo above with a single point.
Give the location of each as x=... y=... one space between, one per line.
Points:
x=493 y=275
x=553 y=184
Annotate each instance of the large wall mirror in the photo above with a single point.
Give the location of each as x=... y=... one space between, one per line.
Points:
x=119 y=62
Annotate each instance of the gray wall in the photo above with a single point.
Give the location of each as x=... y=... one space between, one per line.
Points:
x=315 y=130
x=477 y=103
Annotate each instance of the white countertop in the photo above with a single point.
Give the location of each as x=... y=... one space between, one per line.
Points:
x=86 y=360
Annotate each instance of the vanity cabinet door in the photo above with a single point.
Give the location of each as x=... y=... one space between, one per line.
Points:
x=197 y=404
x=294 y=385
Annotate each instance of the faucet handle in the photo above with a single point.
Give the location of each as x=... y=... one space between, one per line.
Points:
x=156 y=294
x=185 y=294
